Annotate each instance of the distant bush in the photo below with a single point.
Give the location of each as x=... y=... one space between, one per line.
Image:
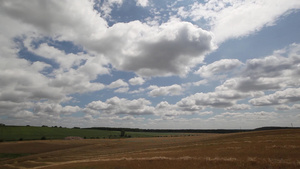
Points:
x=43 y=138
x=21 y=139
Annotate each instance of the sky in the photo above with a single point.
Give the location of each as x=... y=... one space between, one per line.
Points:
x=172 y=64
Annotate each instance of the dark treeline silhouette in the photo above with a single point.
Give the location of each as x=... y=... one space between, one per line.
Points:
x=188 y=130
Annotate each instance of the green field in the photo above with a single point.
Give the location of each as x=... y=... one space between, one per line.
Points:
x=17 y=133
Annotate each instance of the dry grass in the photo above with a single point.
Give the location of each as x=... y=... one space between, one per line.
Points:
x=265 y=149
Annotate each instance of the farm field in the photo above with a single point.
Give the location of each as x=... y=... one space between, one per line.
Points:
x=259 y=149
x=16 y=133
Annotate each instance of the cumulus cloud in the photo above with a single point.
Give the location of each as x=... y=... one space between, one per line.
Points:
x=224 y=17
x=278 y=71
x=165 y=90
x=137 y=47
x=118 y=83
x=48 y=108
x=283 y=107
x=296 y=106
x=131 y=46
x=117 y=105
x=122 y=90
x=218 y=67
x=280 y=97
x=239 y=107
x=57 y=18
x=136 y=81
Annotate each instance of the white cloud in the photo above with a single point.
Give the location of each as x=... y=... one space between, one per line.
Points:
x=117 y=105
x=280 y=97
x=283 y=107
x=65 y=61
x=233 y=19
x=165 y=90
x=218 y=67
x=136 y=81
x=131 y=46
x=57 y=18
x=118 y=83
x=205 y=113
x=239 y=107
x=142 y=3
x=122 y=90
x=48 y=108
x=296 y=106
x=24 y=114
x=107 y=5
x=137 y=47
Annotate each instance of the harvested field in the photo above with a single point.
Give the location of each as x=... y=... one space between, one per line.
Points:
x=263 y=149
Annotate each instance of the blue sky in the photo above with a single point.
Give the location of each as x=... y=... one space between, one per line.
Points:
x=150 y=63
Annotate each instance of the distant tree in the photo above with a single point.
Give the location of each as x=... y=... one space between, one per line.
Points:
x=122 y=133
x=1 y=124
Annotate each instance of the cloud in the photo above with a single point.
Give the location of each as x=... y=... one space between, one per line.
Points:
x=205 y=113
x=122 y=90
x=107 y=5
x=277 y=71
x=117 y=105
x=233 y=19
x=248 y=117
x=21 y=82
x=136 y=81
x=283 y=107
x=201 y=100
x=280 y=97
x=142 y=3
x=48 y=108
x=24 y=114
x=57 y=18
x=296 y=106
x=239 y=107
x=131 y=46
x=137 y=47
x=172 y=90
x=218 y=67
x=118 y=83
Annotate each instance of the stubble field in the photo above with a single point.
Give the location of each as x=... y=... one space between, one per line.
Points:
x=261 y=149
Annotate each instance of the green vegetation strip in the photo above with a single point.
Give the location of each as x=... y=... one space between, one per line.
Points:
x=21 y=133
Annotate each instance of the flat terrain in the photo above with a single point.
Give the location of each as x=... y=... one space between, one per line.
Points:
x=261 y=149
x=15 y=133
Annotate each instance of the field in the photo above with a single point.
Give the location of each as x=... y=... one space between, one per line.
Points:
x=260 y=149
x=16 y=133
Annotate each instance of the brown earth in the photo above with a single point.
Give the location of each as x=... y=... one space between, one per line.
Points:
x=264 y=149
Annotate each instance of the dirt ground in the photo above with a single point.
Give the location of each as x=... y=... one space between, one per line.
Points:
x=264 y=149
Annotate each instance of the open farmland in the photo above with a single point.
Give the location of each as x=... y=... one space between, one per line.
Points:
x=16 y=133
x=260 y=149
